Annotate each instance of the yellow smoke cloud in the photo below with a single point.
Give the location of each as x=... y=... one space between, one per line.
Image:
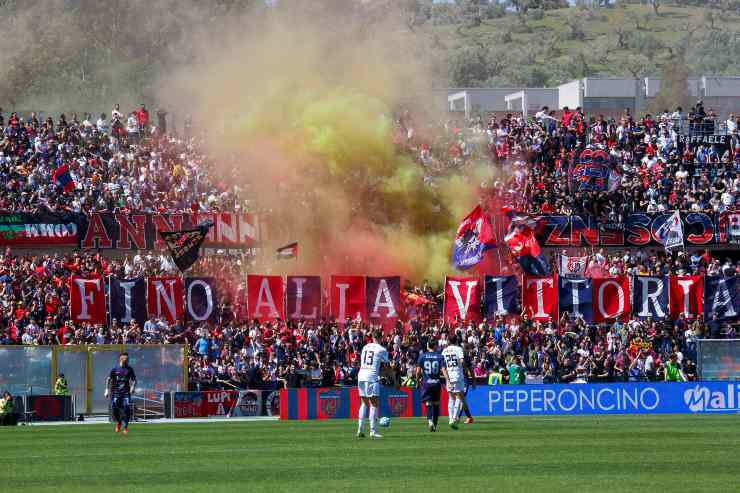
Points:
x=310 y=102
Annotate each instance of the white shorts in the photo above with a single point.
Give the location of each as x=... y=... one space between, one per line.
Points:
x=369 y=389
x=456 y=386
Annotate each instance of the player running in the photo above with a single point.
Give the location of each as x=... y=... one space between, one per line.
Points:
x=372 y=358
x=120 y=384
x=454 y=372
x=428 y=372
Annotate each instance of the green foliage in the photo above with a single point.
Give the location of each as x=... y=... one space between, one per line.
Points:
x=674 y=83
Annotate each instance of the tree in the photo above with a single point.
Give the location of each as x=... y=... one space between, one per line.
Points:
x=674 y=84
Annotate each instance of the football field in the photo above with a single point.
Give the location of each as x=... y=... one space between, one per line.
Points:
x=569 y=454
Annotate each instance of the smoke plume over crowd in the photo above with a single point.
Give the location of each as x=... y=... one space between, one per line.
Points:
x=307 y=99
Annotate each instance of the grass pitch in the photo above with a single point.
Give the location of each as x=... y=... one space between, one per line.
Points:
x=569 y=454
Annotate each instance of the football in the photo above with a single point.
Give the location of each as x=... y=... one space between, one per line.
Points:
x=385 y=422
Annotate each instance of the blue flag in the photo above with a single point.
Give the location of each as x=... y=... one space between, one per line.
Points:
x=474 y=236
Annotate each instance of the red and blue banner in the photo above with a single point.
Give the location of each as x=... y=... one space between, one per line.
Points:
x=344 y=402
x=63 y=178
x=474 y=236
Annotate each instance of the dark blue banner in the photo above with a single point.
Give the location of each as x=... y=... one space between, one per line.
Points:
x=721 y=296
x=500 y=296
x=650 y=297
x=576 y=296
x=616 y=398
x=127 y=300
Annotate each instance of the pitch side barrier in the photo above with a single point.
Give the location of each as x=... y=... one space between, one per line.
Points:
x=527 y=400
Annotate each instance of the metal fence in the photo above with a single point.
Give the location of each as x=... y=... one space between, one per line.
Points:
x=718 y=359
x=32 y=370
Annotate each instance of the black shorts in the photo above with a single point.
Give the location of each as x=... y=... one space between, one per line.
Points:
x=121 y=402
x=430 y=392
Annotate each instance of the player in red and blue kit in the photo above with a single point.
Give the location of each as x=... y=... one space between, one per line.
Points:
x=429 y=373
x=120 y=384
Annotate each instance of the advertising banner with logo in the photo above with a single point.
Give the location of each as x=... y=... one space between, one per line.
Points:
x=615 y=398
x=207 y=404
x=344 y=402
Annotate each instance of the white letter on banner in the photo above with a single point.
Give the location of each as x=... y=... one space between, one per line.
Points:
x=656 y=396
x=462 y=307
x=86 y=299
x=722 y=297
x=264 y=298
x=648 y=297
x=601 y=405
x=493 y=397
x=620 y=299
x=499 y=282
x=341 y=314
x=386 y=302
x=540 y=294
x=127 y=287
x=299 y=282
x=686 y=287
x=574 y=290
x=162 y=294
x=209 y=299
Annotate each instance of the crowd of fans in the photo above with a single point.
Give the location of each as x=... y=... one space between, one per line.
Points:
x=652 y=168
x=126 y=162
x=118 y=163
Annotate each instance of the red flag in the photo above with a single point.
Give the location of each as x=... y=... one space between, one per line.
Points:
x=87 y=300
x=265 y=297
x=303 y=297
x=462 y=298
x=540 y=298
x=165 y=297
x=686 y=296
x=347 y=294
x=612 y=299
x=63 y=178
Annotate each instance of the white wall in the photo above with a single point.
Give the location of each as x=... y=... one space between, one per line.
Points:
x=609 y=88
x=721 y=86
x=652 y=86
x=570 y=95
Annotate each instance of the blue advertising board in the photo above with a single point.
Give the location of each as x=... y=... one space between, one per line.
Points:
x=614 y=398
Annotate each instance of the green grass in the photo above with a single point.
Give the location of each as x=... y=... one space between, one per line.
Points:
x=582 y=454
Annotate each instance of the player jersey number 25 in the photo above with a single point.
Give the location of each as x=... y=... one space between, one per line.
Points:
x=452 y=361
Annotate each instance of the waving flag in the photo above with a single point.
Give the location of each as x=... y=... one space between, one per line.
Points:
x=523 y=246
x=670 y=233
x=474 y=236
x=184 y=246
x=63 y=179
x=288 y=251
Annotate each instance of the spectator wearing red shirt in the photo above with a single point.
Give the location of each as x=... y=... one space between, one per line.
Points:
x=142 y=116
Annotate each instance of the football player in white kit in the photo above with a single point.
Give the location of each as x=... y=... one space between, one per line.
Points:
x=372 y=358
x=454 y=372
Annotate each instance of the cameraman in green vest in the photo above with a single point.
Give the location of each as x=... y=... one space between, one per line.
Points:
x=61 y=387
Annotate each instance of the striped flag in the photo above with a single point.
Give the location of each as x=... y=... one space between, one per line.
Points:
x=288 y=251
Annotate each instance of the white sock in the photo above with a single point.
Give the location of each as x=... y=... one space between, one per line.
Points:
x=458 y=407
x=361 y=418
x=451 y=408
x=373 y=414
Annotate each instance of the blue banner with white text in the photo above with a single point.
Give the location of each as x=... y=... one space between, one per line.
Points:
x=613 y=398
